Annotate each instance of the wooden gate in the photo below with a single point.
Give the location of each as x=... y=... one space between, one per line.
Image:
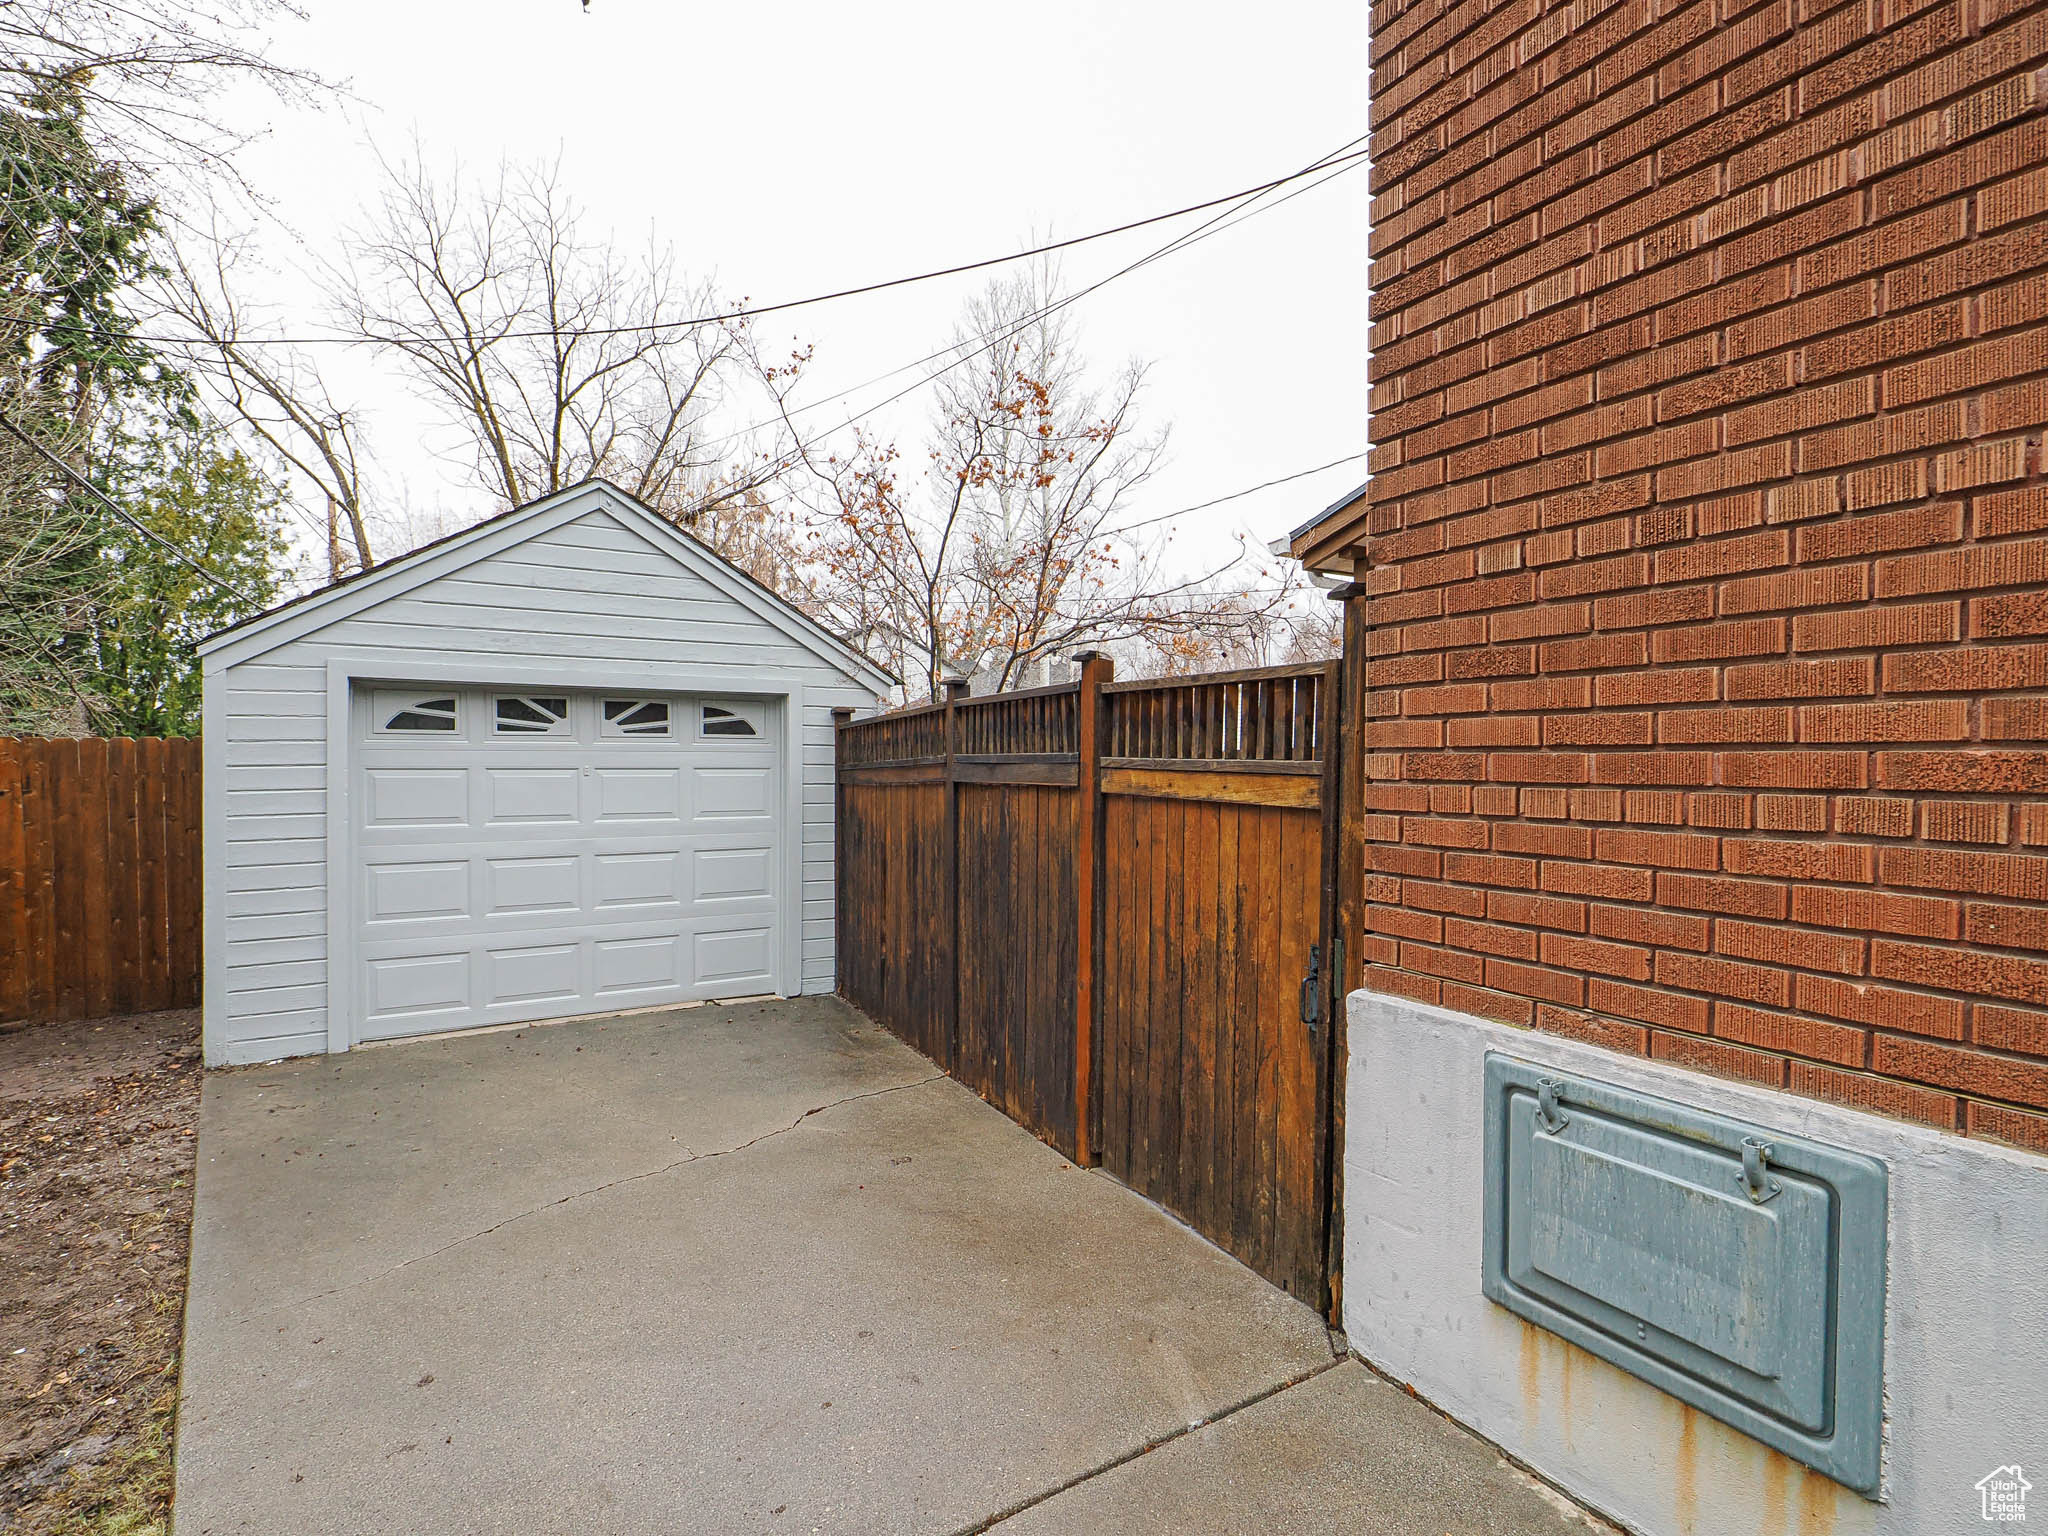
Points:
x=1213 y=1080
x=1098 y=906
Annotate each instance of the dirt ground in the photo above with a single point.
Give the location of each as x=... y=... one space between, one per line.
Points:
x=97 y=1123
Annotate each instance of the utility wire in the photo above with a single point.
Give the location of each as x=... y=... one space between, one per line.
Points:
x=1335 y=162
x=1250 y=490
x=1334 y=158
x=746 y=312
x=8 y=423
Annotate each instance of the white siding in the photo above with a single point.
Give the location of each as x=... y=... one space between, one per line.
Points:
x=592 y=588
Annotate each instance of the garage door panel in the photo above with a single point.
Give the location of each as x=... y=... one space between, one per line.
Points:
x=411 y=891
x=416 y=797
x=722 y=874
x=722 y=793
x=532 y=885
x=528 y=795
x=639 y=795
x=412 y=985
x=734 y=958
x=638 y=965
x=505 y=878
x=638 y=880
x=540 y=973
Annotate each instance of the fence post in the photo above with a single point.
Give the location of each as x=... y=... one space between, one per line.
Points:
x=1096 y=669
x=956 y=689
x=1346 y=929
x=842 y=716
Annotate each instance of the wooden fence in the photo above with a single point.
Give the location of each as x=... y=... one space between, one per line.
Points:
x=1096 y=905
x=100 y=877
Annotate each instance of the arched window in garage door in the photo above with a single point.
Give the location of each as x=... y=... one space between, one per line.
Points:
x=730 y=720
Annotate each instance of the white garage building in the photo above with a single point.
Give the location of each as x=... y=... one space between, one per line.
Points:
x=567 y=762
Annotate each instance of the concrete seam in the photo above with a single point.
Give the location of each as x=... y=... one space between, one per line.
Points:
x=1032 y=1501
x=595 y=1189
x=1592 y=1518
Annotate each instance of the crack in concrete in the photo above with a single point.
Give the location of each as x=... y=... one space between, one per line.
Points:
x=1125 y=1458
x=596 y=1189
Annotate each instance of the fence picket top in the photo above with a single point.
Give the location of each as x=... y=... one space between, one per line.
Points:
x=1012 y=695
x=1205 y=679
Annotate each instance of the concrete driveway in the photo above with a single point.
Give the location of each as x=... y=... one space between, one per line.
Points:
x=744 y=1268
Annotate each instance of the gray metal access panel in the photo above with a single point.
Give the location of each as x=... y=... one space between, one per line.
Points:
x=1740 y=1269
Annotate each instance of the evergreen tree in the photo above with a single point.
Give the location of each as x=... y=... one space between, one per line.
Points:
x=195 y=491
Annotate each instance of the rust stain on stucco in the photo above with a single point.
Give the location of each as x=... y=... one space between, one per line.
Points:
x=1816 y=1504
x=1685 y=1493
x=1565 y=1358
x=1531 y=1372
x=1776 y=1472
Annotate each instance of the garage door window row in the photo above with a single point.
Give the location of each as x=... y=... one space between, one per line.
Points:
x=549 y=715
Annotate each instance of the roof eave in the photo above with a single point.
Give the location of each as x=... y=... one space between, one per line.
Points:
x=1326 y=540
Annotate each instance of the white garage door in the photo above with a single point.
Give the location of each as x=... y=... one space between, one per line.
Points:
x=535 y=855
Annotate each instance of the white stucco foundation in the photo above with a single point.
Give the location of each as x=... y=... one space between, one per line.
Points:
x=1966 y=1324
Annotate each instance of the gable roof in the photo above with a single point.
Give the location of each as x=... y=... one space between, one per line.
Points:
x=314 y=611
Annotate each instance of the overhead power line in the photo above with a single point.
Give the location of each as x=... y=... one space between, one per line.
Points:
x=746 y=312
x=8 y=423
x=1337 y=158
x=1326 y=168
x=1250 y=490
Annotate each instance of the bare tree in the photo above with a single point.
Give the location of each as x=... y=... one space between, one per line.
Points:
x=555 y=358
x=106 y=107
x=49 y=579
x=148 y=71
x=278 y=394
x=1255 y=625
x=1013 y=543
x=882 y=565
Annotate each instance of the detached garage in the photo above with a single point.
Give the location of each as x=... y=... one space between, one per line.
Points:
x=568 y=762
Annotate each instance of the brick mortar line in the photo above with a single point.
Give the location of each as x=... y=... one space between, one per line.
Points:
x=1782 y=1054
x=1653 y=67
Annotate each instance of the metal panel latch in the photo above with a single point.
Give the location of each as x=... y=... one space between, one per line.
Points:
x=1548 y=1115
x=1310 y=1003
x=1756 y=1155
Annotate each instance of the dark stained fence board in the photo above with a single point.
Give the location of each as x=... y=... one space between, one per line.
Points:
x=100 y=877
x=1180 y=864
x=106 y=789
x=82 y=803
x=153 y=806
x=183 y=841
x=14 y=945
x=39 y=815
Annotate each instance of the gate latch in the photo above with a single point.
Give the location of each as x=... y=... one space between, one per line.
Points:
x=1311 y=1004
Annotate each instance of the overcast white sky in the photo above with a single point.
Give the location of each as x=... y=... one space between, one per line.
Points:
x=793 y=149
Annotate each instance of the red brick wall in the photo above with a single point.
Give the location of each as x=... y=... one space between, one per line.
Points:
x=1708 y=537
